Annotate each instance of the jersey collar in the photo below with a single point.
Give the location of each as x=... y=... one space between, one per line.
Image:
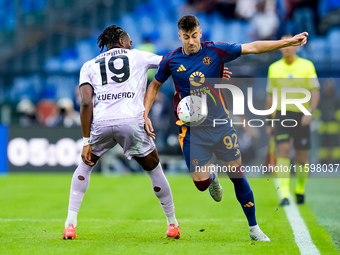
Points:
x=191 y=54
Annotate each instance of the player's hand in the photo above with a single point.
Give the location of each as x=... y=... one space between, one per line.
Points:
x=149 y=129
x=299 y=39
x=226 y=74
x=306 y=120
x=86 y=155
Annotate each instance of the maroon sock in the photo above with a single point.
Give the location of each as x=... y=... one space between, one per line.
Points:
x=202 y=185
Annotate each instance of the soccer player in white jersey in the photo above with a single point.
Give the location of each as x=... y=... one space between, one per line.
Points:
x=116 y=79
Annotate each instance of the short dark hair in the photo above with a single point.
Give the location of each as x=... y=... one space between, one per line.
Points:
x=110 y=36
x=188 y=22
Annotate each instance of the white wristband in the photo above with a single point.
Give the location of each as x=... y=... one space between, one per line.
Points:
x=86 y=141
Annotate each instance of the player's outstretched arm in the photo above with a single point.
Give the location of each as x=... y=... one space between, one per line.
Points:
x=150 y=97
x=258 y=47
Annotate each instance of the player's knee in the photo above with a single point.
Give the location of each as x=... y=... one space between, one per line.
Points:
x=94 y=158
x=237 y=173
x=202 y=185
x=284 y=150
x=150 y=165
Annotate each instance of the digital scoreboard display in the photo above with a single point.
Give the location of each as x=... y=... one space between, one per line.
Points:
x=44 y=149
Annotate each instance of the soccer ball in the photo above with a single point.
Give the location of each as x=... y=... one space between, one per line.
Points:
x=189 y=111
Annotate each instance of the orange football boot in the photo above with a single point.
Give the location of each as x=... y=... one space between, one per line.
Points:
x=70 y=232
x=173 y=232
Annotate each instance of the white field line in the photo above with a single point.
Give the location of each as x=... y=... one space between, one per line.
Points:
x=109 y=220
x=300 y=230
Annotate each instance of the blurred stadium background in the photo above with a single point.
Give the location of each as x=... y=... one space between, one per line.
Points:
x=43 y=44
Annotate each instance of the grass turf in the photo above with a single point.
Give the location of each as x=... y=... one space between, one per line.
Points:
x=324 y=202
x=121 y=215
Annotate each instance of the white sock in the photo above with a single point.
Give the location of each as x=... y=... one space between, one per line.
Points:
x=162 y=190
x=71 y=218
x=172 y=220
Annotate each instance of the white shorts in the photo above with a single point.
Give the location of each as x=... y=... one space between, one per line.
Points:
x=131 y=137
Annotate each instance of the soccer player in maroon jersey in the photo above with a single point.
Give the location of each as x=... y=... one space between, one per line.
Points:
x=195 y=67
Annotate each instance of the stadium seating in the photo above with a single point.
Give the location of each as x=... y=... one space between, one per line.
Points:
x=333 y=39
x=155 y=20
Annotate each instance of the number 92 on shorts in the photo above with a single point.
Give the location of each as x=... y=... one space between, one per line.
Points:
x=200 y=143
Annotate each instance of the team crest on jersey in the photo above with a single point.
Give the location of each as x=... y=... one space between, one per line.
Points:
x=195 y=162
x=207 y=60
x=197 y=79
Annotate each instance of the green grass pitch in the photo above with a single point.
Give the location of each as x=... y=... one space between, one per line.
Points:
x=121 y=215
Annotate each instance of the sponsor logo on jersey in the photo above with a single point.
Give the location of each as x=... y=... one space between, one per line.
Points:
x=197 y=79
x=116 y=96
x=181 y=68
x=207 y=60
x=199 y=91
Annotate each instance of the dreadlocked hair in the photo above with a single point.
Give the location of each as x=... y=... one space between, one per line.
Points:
x=110 y=36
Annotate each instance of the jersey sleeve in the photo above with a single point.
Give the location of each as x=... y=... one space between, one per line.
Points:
x=227 y=51
x=151 y=59
x=163 y=72
x=84 y=75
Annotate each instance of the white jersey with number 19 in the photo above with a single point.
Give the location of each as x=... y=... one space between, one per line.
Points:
x=118 y=78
